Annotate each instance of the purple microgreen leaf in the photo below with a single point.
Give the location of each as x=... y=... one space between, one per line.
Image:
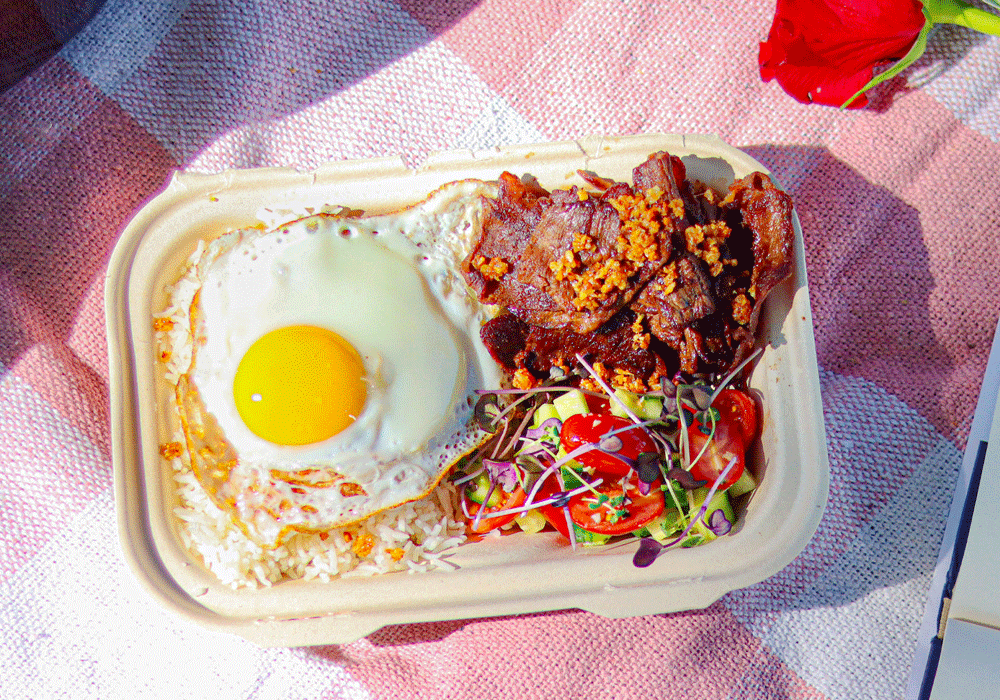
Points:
x=685 y=478
x=503 y=474
x=549 y=428
x=668 y=388
x=702 y=398
x=647 y=465
x=719 y=523
x=487 y=412
x=530 y=463
x=649 y=550
x=612 y=443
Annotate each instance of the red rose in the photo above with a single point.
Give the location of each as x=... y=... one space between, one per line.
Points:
x=826 y=51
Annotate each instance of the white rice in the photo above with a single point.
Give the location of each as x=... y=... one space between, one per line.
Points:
x=412 y=537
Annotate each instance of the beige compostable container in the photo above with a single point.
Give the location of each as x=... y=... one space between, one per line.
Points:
x=497 y=576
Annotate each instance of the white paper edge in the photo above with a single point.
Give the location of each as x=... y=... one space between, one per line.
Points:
x=980 y=431
x=969 y=662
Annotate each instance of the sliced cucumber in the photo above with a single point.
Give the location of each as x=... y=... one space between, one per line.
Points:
x=588 y=538
x=626 y=399
x=477 y=489
x=745 y=484
x=543 y=413
x=720 y=501
x=645 y=407
x=531 y=522
x=652 y=407
x=667 y=526
x=571 y=403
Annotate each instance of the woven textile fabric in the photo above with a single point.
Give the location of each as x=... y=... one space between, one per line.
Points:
x=900 y=211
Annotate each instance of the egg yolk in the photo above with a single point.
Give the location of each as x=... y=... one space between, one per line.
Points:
x=299 y=385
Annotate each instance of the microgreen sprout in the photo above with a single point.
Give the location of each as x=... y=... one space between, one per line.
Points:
x=650 y=549
x=684 y=478
x=718 y=523
x=487 y=412
x=647 y=466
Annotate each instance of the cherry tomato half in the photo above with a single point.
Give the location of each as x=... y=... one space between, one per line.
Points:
x=589 y=428
x=726 y=443
x=556 y=517
x=619 y=509
x=487 y=523
x=737 y=408
x=598 y=404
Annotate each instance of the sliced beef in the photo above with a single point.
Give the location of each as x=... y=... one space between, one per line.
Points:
x=567 y=258
x=571 y=235
x=679 y=295
x=766 y=212
x=576 y=257
x=505 y=337
x=617 y=345
x=661 y=170
x=509 y=222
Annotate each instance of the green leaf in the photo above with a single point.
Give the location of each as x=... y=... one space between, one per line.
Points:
x=963 y=14
x=915 y=52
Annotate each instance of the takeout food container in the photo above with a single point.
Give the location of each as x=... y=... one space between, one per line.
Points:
x=498 y=576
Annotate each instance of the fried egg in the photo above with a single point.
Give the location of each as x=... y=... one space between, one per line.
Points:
x=331 y=363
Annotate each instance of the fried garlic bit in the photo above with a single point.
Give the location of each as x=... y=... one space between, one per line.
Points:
x=705 y=242
x=491 y=268
x=171 y=450
x=646 y=218
x=742 y=309
x=618 y=378
x=163 y=324
x=523 y=379
x=640 y=336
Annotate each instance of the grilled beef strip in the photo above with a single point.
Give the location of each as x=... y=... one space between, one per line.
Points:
x=617 y=345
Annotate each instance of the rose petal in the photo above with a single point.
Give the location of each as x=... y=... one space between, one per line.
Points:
x=825 y=51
